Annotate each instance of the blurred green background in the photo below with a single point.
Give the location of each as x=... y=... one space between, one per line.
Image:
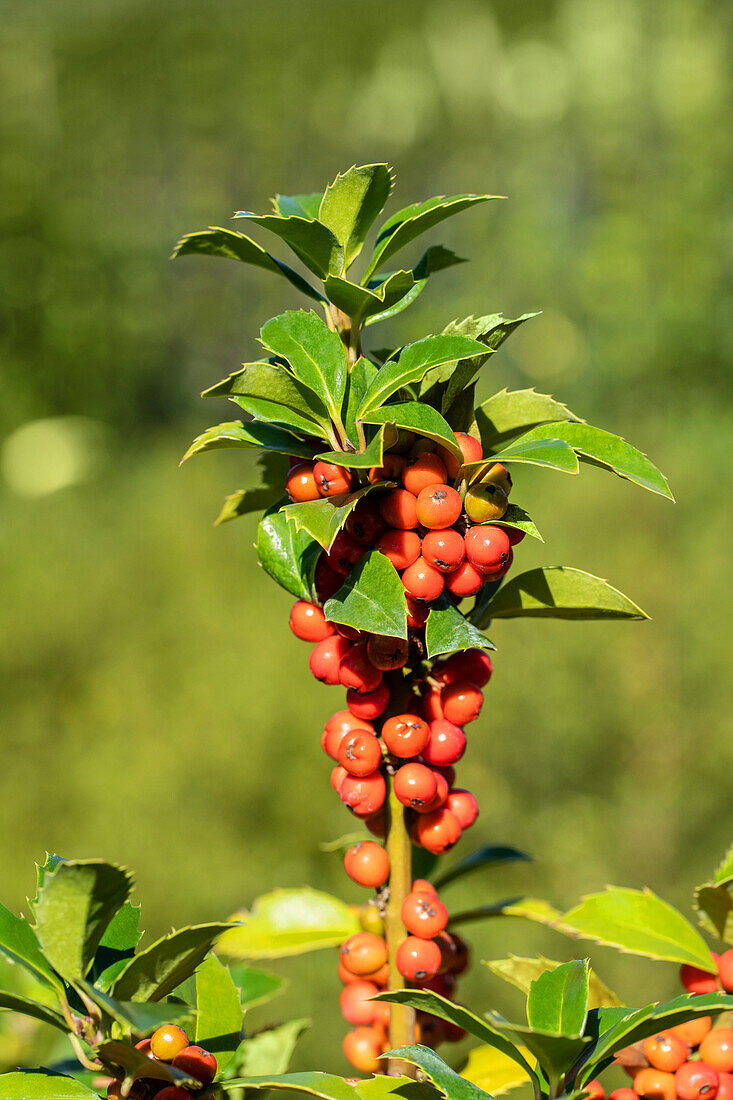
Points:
x=155 y=708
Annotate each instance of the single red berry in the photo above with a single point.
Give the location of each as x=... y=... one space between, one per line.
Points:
x=471 y=664
x=665 y=1051
x=441 y=793
x=423 y=915
x=463 y=805
x=360 y=753
x=354 y=1001
x=595 y=1090
x=415 y=785
x=431 y=706
x=694 y=1031
x=343 y=721
x=377 y=824
x=325 y=580
x=462 y=702
x=696 y=980
x=326 y=656
x=417 y=613
x=167 y=1042
x=364 y=794
x=330 y=742
x=446 y=744
x=368 y=704
x=196 y=1062
x=362 y=1048
x=696 y=1081
x=444 y=550
x=470 y=452
x=332 y=480
x=363 y=953
x=418 y=960
x=357 y=671
x=422 y=581
x=422 y=472
x=655 y=1084
x=300 y=484
x=493 y=575
x=308 y=622
x=487 y=547
x=365 y=523
x=717 y=1049
x=338 y=774
x=368 y=864
x=422 y=886
x=438 y=507
x=516 y=536
x=390 y=470
x=401 y=547
x=387 y=653
x=466 y=581
x=345 y=552
x=399 y=509
x=622 y=1094
x=437 y=831
x=725 y=970
x=405 y=735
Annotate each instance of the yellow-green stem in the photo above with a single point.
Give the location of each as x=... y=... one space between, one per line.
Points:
x=399 y=850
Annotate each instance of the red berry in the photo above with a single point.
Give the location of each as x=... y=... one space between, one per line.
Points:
x=405 y=735
x=325 y=580
x=487 y=547
x=694 y=1031
x=399 y=509
x=516 y=536
x=595 y=1090
x=357 y=671
x=401 y=547
x=326 y=656
x=725 y=970
x=387 y=653
x=365 y=523
x=364 y=794
x=622 y=1094
x=696 y=1081
x=472 y=664
x=438 y=507
x=338 y=774
x=345 y=552
x=360 y=753
x=368 y=864
x=415 y=785
x=422 y=581
x=196 y=1062
x=725 y=1086
x=362 y=1048
x=466 y=581
x=171 y=1092
x=470 y=451
x=431 y=706
x=655 y=1084
x=390 y=470
x=717 y=1049
x=356 y=1007
x=444 y=550
x=418 y=960
x=308 y=622
x=464 y=806
x=446 y=744
x=462 y=702
x=343 y=721
x=492 y=575
x=332 y=480
x=368 y=704
x=437 y=831
x=167 y=1042
x=422 y=886
x=300 y=484
x=363 y=953
x=423 y=915
x=696 y=980
x=421 y=472
x=441 y=793
x=417 y=613
x=665 y=1051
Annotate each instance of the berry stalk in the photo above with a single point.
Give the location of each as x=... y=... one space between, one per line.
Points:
x=399 y=850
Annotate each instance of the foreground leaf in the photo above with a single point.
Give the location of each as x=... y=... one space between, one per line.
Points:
x=559 y=592
x=244 y=502
x=558 y=999
x=325 y=1085
x=140 y=1017
x=489 y=855
x=493 y=1071
x=272 y=382
x=372 y=598
x=316 y=355
x=452 y=1085
x=288 y=555
x=323 y=519
x=42 y=1084
x=372 y=455
x=351 y=204
x=269 y=1051
x=219 y=1013
x=555 y=454
x=234 y=434
x=311 y=242
x=413 y=363
x=511 y=413
x=117 y=945
x=447 y=630
x=27 y=1007
x=19 y=943
x=418 y=418
x=302 y=206
x=156 y=971
x=521 y=972
x=289 y=922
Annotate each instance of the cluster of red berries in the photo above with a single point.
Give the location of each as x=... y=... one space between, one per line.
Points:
x=170 y=1044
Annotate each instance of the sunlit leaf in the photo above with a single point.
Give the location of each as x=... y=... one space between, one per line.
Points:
x=559 y=592
x=289 y=922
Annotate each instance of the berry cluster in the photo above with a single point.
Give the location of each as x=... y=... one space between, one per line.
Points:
x=404 y=728
x=171 y=1044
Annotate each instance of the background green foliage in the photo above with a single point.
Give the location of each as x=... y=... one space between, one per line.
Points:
x=151 y=690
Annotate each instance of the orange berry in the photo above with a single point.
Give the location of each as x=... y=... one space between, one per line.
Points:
x=363 y=794
x=462 y=702
x=390 y=470
x=696 y=1081
x=696 y=980
x=405 y=735
x=196 y=1062
x=363 y=953
x=357 y=671
x=415 y=785
x=308 y=622
x=367 y=863
x=465 y=581
x=401 y=547
x=622 y=1094
x=437 y=831
x=463 y=805
x=418 y=960
x=300 y=484
x=444 y=550
x=368 y=704
x=446 y=743
x=421 y=472
x=332 y=480
x=595 y=1090
x=665 y=1051
x=362 y=1048
x=655 y=1084
x=399 y=509
x=725 y=970
x=438 y=507
x=717 y=1049
x=487 y=547
x=360 y=752
x=167 y=1042
x=694 y=1031
x=424 y=915
x=356 y=1007
x=470 y=451
x=422 y=581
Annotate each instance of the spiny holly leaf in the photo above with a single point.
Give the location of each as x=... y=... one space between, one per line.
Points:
x=384 y=1086
x=289 y=922
x=279 y=416
x=269 y=1051
x=556 y=1054
x=236 y=246
x=493 y=331
x=19 y=943
x=117 y=945
x=489 y=855
x=243 y=502
x=234 y=433
x=445 y=1079
x=640 y=923
x=14 y=1002
x=157 y=970
x=538 y=911
x=316 y=355
x=510 y=413
x=519 y=520
x=140 y=1018
x=311 y=242
x=414 y=361
x=372 y=598
x=493 y=1071
x=357 y=302
x=75 y=904
x=436 y=258
x=324 y=1085
x=558 y=999
x=414 y=220
x=418 y=418
x=273 y=383
x=521 y=972
x=371 y=456
x=255 y=986
x=447 y=630
x=288 y=555
x=324 y=518
x=219 y=1014
x=351 y=204
x=301 y=206
x=43 y=1084
x=361 y=376
x=553 y=453
x=558 y=592
x=714 y=901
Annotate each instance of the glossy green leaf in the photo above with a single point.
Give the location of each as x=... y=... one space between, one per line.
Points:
x=117 y=945
x=724 y=872
x=413 y=363
x=552 y=453
x=536 y=910
x=372 y=455
x=447 y=630
x=234 y=434
x=521 y=972
x=279 y=416
x=273 y=383
x=289 y=922
x=361 y=376
x=323 y=519
x=269 y=1051
x=414 y=220
x=19 y=943
x=287 y=554
x=639 y=923
x=371 y=598
x=489 y=855
x=442 y=385
x=157 y=970
x=418 y=418
x=136 y=1065
x=75 y=904
x=556 y=1054
x=493 y=1071
x=219 y=1013
x=351 y=204
x=301 y=206
x=14 y=1002
x=353 y=300
x=510 y=413
x=399 y=306
x=243 y=502
x=559 y=592
x=324 y=1085
x=316 y=355
x=384 y=1086
x=435 y=258
x=255 y=986
x=519 y=520
x=557 y=1001
x=311 y=242
x=714 y=901
x=140 y=1018
x=236 y=246
x=43 y=1084
x=439 y=1073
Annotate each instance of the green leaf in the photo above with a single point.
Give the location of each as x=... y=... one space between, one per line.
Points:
x=117 y=945
x=75 y=904
x=42 y=1084
x=324 y=518
x=417 y=418
x=510 y=413
x=558 y=999
x=156 y=971
x=271 y=382
x=639 y=923
x=279 y=416
x=360 y=378
x=489 y=855
x=556 y=1054
x=289 y=922
x=311 y=242
x=724 y=872
x=414 y=361
x=552 y=453
x=302 y=206
x=255 y=987
x=493 y=1071
x=236 y=246
x=372 y=455
x=288 y=555
x=351 y=204
x=142 y=1018
x=219 y=1014
x=436 y=258
x=413 y=220
x=325 y=1085
x=234 y=433
x=521 y=972
x=136 y=1065
x=519 y=520
x=269 y=1051
x=447 y=630
x=19 y=943
x=385 y=1087
x=316 y=355
x=559 y=592
x=714 y=901
x=243 y=502
x=372 y=598
x=491 y=331
x=536 y=910
x=401 y=304
x=445 y=1079
x=27 y=1007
